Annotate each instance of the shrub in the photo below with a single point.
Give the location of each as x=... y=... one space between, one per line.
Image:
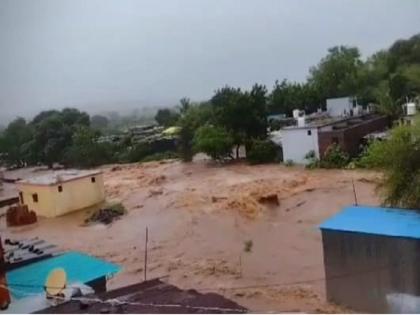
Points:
x=262 y=151
x=334 y=157
x=216 y=142
x=369 y=158
x=399 y=159
x=136 y=153
x=313 y=161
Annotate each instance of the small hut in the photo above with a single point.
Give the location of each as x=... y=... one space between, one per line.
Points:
x=372 y=258
x=58 y=193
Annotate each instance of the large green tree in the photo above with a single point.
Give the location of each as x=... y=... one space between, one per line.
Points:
x=191 y=120
x=53 y=133
x=336 y=75
x=166 y=117
x=86 y=150
x=393 y=75
x=287 y=96
x=216 y=142
x=184 y=105
x=12 y=141
x=399 y=158
x=242 y=113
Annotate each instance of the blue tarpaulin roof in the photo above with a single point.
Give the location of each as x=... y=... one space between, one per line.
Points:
x=79 y=267
x=376 y=220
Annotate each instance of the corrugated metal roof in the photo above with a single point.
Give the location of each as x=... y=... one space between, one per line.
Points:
x=79 y=267
x=376 y=220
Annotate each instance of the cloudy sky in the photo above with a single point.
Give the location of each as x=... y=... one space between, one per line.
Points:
x=111 y=54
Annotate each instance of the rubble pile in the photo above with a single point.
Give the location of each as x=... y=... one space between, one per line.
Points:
x=107 y=215
x=20 y=215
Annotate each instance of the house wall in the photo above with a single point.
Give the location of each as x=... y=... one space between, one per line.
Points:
x=337 y=107
x=46 y=203
x=297 y=143
x=75 y=195
x=367 y=272
x=349 y=138
x=79 y=194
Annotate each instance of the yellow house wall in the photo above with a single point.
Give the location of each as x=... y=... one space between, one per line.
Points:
x=45 y=206
x=77 y=194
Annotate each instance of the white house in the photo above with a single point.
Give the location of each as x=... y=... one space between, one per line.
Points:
x=297 y=142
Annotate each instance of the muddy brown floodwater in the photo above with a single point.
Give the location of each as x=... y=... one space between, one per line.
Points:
x=201 y=217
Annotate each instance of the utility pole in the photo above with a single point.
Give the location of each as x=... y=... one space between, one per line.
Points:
x=354 y=192
x=145 y=254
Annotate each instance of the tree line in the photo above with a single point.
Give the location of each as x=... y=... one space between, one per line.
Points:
x=231 y=118
x=235 y=117
x=52 y=136
x=387 y=78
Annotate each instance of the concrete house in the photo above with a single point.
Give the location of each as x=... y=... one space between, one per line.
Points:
x=318 y=135
x=297 y=142
x=56 y=194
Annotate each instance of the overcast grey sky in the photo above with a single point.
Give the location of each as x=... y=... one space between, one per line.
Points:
x=96 y=54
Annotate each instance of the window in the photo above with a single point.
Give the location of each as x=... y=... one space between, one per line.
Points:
x=93 y=179
x=309 y=132
x=60 y=188
x=35 y=197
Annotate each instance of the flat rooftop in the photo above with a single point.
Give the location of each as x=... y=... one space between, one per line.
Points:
x=57 y=177
x=337 y=123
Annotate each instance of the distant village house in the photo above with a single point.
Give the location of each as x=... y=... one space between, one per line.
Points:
x=344 y=124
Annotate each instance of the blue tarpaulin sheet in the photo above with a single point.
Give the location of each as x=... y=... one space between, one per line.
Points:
x=79 y=268
x=376 y=220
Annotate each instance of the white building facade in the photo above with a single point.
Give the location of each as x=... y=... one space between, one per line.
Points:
x=297 y=142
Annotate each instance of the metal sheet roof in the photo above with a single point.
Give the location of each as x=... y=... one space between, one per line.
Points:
x=79 y=267
x=376 y=220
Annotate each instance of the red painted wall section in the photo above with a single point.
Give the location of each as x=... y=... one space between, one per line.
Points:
x=349 y=138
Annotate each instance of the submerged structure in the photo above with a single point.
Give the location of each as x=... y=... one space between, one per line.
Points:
x=62 y=192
